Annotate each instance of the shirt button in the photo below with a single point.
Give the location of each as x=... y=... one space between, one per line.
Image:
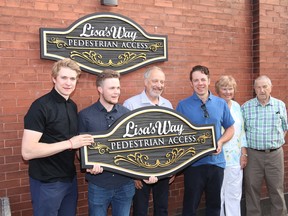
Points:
x=113 y=175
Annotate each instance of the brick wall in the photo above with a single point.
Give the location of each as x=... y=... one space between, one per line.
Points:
x=230 y=37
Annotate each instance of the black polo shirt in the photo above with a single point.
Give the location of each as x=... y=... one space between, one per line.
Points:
x=95 y=118
x=56 y=118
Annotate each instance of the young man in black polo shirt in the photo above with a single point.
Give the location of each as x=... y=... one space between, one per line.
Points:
x=48 y=143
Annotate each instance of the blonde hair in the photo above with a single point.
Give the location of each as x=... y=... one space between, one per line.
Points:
x=68 y=63
x=225 y=81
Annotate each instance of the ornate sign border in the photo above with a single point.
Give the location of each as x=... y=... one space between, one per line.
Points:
x=104 y=41
x=170 y=158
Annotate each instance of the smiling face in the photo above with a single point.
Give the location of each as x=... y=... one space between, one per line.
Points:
x=226 y=88
x=154 y=84
x=200 y=83
x=226 y=92
x=65 y=81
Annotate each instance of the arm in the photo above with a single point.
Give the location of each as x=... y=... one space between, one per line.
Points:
x=244 y=155
x=227 y=135
x=243 y=158
x=32 y=148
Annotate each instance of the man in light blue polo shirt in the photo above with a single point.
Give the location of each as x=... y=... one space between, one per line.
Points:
x=154 y=81
x=207 y=173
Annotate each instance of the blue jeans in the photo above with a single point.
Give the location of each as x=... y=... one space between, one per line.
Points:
x=120 y=199
x=54 y=199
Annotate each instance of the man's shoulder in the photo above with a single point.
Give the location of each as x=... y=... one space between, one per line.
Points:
x=217 y=99
x=248 y=103
x=134 y=102
x=276 y=100
x=185 y=100
x=165 y=103
x=45 y=100
x=87 y=109
x=122 y=109
x=165 y=99
x=133 y=98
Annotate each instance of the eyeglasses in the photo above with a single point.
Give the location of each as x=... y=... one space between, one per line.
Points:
x=204 y=108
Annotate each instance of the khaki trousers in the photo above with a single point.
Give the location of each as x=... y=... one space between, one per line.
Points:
x=268 y=166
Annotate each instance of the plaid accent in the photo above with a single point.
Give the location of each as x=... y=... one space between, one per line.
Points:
x=265 y=126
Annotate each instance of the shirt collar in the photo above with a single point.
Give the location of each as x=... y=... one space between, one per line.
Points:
x=59 y=98
x=100 y=107
x=146 y=100
x=195 y=97
x=270 y=102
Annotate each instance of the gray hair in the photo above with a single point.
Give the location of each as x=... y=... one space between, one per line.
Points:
x=148 y=71
x=263 y=77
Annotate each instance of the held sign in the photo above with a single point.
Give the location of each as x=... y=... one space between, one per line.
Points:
x=149 y=141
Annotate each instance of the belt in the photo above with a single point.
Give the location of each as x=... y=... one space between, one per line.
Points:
x=266 y=150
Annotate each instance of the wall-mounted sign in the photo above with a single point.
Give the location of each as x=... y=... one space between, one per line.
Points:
x=104 y=41
x=149 y=141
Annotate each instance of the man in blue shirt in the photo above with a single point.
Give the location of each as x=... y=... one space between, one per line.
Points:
x=104 y=187
x=154 y=81
x=207 y=173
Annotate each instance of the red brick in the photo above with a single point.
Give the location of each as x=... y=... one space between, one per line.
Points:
x=215 y=33
x=9 y=184
x=18 y=190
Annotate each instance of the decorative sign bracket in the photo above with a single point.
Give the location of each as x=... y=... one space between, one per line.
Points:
x=149 y=141
x=104 y=41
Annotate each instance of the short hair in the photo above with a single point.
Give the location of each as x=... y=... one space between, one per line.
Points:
x=66 y=62
x=106 y=74
x=148 y=71
x=225 y=81
x=263 y=77
x=200 y=68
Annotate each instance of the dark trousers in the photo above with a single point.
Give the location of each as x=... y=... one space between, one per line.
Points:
x=54 y=199
x=199 y=179
x=160 y=192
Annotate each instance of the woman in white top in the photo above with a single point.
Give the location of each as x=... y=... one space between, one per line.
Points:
x=234 y=150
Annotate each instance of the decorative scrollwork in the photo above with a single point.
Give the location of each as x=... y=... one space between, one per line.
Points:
x=141 y=160
x=202 y=139
x=177 y=154
x=59 y=43
x=100 y=147
x=96 y=58
x=154 y=47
